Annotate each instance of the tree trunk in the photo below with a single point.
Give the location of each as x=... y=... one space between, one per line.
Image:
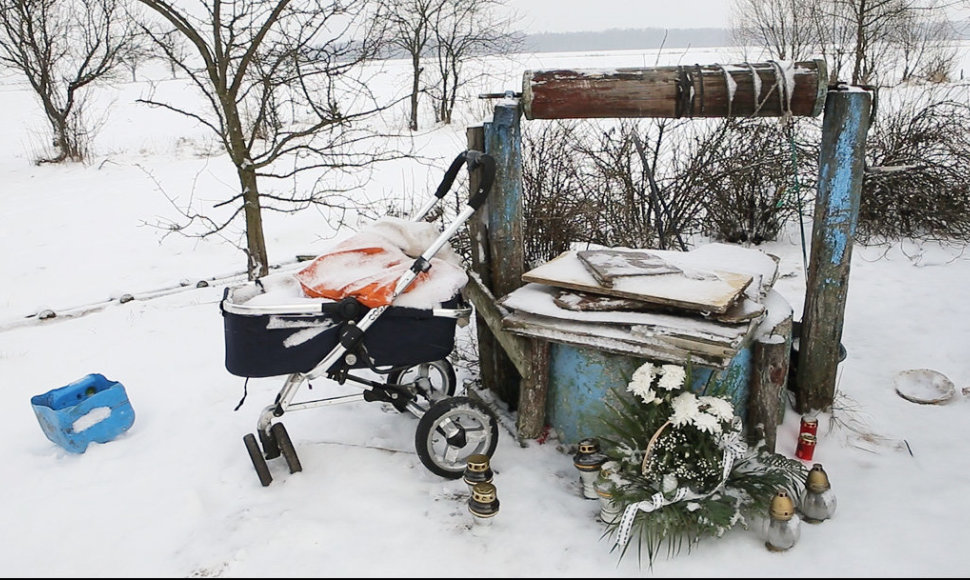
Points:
x=258 y=265
x=860 y=42
x=415 y=89
x=258 y=260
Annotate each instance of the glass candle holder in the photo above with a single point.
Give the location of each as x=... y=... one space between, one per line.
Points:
x=477 y=470
x=818 y=500
x=588 y=460
x=783 y=525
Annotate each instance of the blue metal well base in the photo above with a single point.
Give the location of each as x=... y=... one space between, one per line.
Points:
x=91 y=409
x=580 y=379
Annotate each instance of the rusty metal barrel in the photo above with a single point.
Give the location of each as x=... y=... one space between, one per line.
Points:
x=770 y=89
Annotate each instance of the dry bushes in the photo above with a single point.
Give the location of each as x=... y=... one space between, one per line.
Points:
x=917 y=178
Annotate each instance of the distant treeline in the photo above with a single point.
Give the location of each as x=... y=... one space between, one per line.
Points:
x=627 y=39
x=641 y=38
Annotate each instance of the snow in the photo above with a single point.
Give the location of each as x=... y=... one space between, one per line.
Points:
x=177 y=496
x=91 y=418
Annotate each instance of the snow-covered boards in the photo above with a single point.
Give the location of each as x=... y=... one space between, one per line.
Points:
x=689 y=288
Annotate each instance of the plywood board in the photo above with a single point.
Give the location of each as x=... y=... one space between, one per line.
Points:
x=691 y=288
x=608 y=265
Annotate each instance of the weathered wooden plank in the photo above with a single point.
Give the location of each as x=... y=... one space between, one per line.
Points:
x=742 y=311
x=516 y=348
x=841 y=162
x=609 y=338
x=768 y=89
x=540 y=299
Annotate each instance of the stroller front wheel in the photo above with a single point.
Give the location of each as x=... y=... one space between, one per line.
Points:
x=285 y=445
x=429 y=382
x=262 y=470
x=452 y=430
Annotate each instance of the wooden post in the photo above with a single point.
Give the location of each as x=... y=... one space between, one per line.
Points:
x=504 y=226
x=767 y=400
x=841 y=163
x=769 y=89
x=514 y=368
x=492 y=360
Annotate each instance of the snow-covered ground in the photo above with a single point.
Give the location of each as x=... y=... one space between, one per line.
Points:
x=176 y=495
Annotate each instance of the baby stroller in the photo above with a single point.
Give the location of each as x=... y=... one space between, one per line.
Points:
x=407 y=346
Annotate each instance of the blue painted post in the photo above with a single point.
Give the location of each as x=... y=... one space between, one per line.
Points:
x=506 y=263
x=841 y=163
x=503 y=141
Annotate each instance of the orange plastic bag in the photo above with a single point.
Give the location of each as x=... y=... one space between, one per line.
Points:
x=368 y=273
x=368 y=265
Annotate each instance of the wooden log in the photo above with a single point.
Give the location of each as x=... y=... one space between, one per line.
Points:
x=770 y=356
x=533 y=391
x=769 y=89
x=841 y=163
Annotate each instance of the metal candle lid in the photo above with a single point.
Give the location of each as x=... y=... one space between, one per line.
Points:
x=782 y=506
x=818 y=480
x=483 y=492
x=589 y=445
x=589 y=458
x=477 y=463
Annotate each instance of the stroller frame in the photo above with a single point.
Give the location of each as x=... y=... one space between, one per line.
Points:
x=450 y=428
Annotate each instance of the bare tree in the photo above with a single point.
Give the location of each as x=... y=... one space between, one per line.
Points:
x=862 y=41
x=140 y=50
x=463 y=30
x=282 y=93
x=922 y=42
x=62 y=47
x=409 y=27
x=782 y=26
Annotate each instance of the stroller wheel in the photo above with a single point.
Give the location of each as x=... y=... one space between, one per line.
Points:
x=429 y=381
x=285 y=446
x=262 y=470
x=270 y=449
x=450 y=431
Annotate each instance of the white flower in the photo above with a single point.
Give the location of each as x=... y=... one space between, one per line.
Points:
x=686 y=407
x=720 y=408
x=642 y=381
x=645 y=374
x=643 y=391
x=672 y=378
x=707 y=423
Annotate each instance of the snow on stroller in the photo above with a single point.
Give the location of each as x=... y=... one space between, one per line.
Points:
x=335 y=328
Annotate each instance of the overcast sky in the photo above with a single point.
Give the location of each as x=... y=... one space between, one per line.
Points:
x=581 y=15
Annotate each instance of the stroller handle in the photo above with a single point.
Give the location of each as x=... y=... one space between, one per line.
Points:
x=474 y=159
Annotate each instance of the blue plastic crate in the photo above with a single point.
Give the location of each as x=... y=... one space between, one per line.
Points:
x=89 y=409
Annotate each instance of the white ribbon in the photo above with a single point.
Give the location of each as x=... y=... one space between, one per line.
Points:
x=734 y=448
